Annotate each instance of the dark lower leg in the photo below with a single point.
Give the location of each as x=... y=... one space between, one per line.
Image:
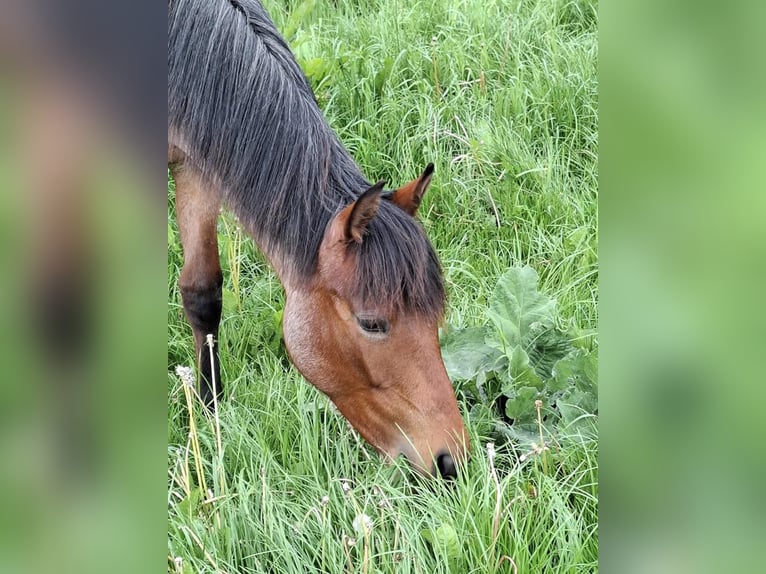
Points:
x=202 y=305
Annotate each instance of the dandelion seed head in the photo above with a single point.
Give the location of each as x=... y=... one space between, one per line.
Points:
x=186 y=374
x=362 y=524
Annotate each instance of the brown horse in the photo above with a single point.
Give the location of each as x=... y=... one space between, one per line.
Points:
x=363 y=284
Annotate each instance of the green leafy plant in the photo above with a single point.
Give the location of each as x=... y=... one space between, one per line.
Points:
x=445 y=541
x=523 y=355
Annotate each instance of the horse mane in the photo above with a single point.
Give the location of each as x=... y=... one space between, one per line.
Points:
x=248 y=119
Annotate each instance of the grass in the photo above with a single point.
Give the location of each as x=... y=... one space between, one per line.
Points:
x=502 y=97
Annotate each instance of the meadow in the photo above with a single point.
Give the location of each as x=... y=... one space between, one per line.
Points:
x=502 y=96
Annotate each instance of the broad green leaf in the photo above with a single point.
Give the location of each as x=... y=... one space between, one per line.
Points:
x=522 y=436
x=466 y=354
x=522 y=373
x=444 y=539
x=521 y=406
x=517 y=308
x=579 y=369
x=576 y=403
x=546 y=349
x=522 y=357
x=448 y=538
x=576 y=375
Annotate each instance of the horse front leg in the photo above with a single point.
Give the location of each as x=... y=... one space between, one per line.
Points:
x=201 y=280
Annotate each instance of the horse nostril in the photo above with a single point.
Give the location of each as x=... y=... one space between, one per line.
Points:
x=446 y=466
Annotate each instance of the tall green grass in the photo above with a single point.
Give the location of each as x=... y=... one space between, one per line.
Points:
x=502 y=97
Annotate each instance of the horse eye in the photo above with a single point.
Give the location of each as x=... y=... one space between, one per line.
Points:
x=373 y=326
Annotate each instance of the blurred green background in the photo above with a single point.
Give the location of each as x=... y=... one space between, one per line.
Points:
x=683 y=255
x=82 y=420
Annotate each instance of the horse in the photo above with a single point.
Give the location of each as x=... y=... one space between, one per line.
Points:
x=363 y=285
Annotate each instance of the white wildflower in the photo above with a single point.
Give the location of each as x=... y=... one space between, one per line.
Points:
x=186 y=374
x=362 y=524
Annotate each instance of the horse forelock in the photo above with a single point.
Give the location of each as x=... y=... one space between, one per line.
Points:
x=397 y=269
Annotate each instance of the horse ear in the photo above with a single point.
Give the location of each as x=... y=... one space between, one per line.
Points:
x=358 y=215
x=409 y=196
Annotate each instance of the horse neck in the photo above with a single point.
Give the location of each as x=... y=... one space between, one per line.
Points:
x=316 y=205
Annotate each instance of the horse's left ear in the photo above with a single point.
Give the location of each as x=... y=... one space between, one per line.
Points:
x=356 y=217
x=409 y=196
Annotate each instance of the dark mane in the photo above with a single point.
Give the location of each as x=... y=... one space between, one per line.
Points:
x=247 y=117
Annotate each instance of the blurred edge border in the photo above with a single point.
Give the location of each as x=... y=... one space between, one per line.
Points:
x=683 y=255
x=84 y=286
